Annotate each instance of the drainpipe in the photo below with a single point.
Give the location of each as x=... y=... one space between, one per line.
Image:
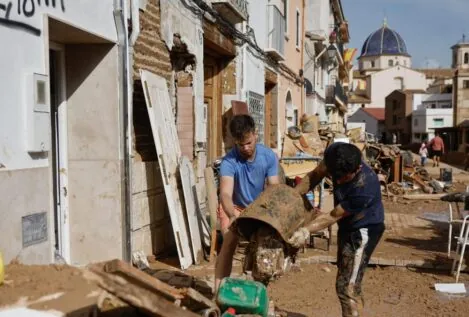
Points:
x=303 y=93
x=120 y=17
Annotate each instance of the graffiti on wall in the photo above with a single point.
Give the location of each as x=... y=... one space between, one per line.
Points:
x=26 y=8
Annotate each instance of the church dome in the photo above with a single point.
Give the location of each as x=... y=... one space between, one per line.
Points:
x=384 y=41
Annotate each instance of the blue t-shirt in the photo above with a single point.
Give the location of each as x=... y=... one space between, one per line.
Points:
x=249 y=176
x=361 y=199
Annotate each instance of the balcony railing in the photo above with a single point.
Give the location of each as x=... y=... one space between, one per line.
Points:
x=276 y=33
x=234 y=11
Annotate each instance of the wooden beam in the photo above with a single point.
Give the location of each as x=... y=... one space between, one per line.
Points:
x=138 y=296
x=217 y=41
x=136 y=276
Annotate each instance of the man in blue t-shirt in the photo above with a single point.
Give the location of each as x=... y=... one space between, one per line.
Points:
x=244 y=172
x=359 y=213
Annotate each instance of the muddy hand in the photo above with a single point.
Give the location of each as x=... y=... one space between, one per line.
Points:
x=299 y=238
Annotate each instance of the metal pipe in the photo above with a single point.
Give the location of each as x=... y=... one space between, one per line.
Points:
x=120 y=17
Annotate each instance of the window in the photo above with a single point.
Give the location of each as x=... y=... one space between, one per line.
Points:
x=417 y=136
x=372 y=64
x=416 y=122
x=399 y=82
x=438 y=122
x=390 y=62
x=394 y=105
x=298 y=26
x=465 y=84
x=394 y=119
x=433 y=106
x=446 y=106
x=466 y=58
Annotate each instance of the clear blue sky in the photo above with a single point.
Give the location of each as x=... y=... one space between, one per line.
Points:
x=428 y=27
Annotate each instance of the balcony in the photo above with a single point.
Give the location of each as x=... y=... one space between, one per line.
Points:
x=276 y=33
x=335 y=95
x=234 y=11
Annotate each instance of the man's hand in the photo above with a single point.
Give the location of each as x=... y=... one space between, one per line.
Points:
x=299 y=238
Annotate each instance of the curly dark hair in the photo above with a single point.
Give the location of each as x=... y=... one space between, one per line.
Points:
x=241 y=125
x=342 y=159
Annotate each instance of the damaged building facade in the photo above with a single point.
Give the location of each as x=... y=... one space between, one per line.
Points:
x=79 y=164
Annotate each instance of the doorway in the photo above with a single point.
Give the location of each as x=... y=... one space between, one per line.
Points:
x=59 y=157
x=213 y=100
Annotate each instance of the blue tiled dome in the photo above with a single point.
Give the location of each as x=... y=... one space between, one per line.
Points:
x=384 y=42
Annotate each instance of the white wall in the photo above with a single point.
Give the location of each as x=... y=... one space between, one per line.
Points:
x=254 y=69
x=422 y=121
x=30 y=175
x=382 y=62
x=25 y=54
x=383 y=83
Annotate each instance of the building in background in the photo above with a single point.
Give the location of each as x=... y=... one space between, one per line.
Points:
x=385 y=65
x=373 y=118
x=327 y=62
x=457 y=137
x=398 y=116
x=430 y=112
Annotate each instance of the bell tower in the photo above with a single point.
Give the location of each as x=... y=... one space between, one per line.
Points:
x=461 y=81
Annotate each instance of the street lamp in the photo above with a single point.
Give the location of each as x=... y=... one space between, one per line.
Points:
x=331 y=51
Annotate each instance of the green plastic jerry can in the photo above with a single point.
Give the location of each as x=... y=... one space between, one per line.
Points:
x=246 y=297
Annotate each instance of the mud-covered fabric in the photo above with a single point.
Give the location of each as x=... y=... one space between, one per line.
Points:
x=361 y=200
x=353 y=254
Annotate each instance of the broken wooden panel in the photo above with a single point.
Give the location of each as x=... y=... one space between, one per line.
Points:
x=169 y=153
x=192 y=208
x=139 y=296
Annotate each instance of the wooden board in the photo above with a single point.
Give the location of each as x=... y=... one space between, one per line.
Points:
x=134 y=275
x=188 y=185
x=212 y=201
x=153 y=304
x=167 y=146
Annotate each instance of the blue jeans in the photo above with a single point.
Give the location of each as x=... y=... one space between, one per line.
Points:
x=423 y=160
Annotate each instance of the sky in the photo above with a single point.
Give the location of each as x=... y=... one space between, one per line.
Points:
x=428 y=27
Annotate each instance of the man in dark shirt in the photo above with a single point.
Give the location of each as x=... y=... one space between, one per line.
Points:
x=359 y=213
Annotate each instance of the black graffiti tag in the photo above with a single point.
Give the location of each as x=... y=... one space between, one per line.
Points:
x=28 y=9
x=29 y=6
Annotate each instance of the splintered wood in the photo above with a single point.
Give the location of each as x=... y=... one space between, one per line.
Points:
x=147 y=293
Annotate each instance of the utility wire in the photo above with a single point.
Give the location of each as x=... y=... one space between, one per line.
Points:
x=240 y=38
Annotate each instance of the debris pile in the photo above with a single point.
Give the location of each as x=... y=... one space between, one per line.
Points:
x=125 y=283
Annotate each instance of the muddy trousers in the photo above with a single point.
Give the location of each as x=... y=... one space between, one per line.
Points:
x=353 y=254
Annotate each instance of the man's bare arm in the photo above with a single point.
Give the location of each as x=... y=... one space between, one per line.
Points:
x=324 y=220
x=226 y=195
x=273 y=180
x=312 y=179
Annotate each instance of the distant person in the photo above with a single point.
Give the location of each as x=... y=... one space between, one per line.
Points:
x=438 y=149
x=394 y=138
x=423 y=152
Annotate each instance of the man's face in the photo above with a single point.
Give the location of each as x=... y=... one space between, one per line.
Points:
x=247 y=145
x=347 y=178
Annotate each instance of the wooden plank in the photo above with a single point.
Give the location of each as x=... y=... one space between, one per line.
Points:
x=138 y=296
x=136 y=276
x=212 y=201
x=188 y=186
x=169 y=152
x=423 y=196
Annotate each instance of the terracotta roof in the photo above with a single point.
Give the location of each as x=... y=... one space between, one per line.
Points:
x=377 y=113
x=437 y=72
